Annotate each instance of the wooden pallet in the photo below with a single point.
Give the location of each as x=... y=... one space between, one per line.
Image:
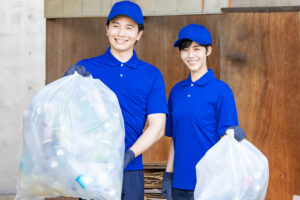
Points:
x=153 y=173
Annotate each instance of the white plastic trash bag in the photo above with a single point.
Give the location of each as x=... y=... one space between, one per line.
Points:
x=232 y=170
x=73 y=142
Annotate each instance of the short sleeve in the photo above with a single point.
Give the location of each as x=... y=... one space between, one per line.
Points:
x=81 y=63
x=157 y=101
x=226 y=111
x=169 y=122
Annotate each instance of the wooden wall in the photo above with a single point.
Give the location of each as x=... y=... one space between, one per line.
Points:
x=260 y=61
x=70 y=40
x=255 y=53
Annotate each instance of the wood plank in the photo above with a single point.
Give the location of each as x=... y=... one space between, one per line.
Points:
x=260 y=61
x=70 y=40
x=155 y=165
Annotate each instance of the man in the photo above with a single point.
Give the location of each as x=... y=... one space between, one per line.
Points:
x=139 y=87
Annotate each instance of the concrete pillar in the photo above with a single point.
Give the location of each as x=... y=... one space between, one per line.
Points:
x=22 y=71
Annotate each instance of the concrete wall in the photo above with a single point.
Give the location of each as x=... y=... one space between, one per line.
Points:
x=22 y=72
x=84 y=8
x=264 y=3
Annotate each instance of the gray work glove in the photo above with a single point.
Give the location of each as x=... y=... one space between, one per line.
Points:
x=128 y=157
x=79 y=69
x=239 y=134
x=166 y=190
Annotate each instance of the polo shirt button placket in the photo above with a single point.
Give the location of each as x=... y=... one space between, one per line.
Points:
x=189 y=95
x=121 y=74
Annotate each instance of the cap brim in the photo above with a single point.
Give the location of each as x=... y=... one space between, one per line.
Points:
x=177 y=43
x=125 y=14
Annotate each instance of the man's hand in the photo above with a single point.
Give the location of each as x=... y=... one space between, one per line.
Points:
x=79 y=69
x=167 y=185
x=239 y=134
x=128 y=157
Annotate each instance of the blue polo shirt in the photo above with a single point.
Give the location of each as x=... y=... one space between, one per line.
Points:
x=139 y=87
x=200 y=113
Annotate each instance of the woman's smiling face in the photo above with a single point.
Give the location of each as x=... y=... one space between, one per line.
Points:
x=194 y=56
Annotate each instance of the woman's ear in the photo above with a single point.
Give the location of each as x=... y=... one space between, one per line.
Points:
x=106 y=27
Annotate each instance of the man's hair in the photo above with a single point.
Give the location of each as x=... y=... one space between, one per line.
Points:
x=140 y=26
x=186 y=43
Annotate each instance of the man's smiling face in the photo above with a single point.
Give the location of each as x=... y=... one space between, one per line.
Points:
x=122 y=33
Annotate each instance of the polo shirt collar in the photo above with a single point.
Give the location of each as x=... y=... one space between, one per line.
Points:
x=205 y=79
x=112 y=61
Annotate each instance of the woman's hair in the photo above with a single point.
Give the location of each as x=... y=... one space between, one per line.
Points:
x=186 y=43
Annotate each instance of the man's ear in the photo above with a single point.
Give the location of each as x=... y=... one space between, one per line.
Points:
x=209 y=50
x=140 y=35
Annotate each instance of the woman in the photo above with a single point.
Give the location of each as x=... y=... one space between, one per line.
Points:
x=201 y=109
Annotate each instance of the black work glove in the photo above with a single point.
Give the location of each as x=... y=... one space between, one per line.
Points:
x=166 y=190
x=128 y=157
x=79 y=69
x=239 y=134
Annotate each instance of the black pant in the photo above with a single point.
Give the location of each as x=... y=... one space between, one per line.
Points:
x=178 y=194
x=133 y=185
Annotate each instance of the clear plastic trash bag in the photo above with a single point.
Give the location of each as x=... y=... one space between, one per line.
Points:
x=232 y=170
x=73 y=142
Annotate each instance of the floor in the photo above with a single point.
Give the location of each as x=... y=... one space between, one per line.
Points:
x=12 y=197
x=7 y=197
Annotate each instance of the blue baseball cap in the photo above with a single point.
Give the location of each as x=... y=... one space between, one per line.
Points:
x=127 y=8
x=194 y=32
